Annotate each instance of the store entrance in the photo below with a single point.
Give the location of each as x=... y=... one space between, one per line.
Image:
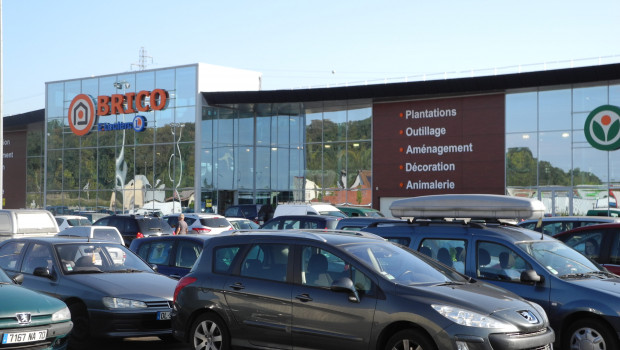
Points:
x=225 y=199
x=557 y=200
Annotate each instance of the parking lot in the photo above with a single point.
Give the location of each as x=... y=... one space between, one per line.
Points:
x=140 y=343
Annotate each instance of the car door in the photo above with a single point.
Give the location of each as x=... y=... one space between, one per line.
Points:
x=490 y=267
x=159 y=253
x=325 y=319
x=186 y=253
x=38 y=255
x=259 y=295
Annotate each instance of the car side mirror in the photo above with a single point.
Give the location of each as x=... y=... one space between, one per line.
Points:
x=42 y=272
x=345 y=285
x=530 y=276
x=154 y=267
x=19 y=278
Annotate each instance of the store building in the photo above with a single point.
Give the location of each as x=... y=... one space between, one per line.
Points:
x=203 y=138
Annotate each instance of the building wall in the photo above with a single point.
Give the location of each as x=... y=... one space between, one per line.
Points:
x=122 y=170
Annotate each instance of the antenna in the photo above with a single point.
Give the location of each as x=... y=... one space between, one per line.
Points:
x=143 y=58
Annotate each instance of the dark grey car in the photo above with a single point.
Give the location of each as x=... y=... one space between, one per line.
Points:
x=336 y=290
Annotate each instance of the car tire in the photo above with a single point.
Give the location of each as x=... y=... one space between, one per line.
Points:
x=592 y=332
x=80 y=334
x=209 y=332
x=410 y=339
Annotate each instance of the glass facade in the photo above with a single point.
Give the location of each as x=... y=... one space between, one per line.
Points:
x=547 y=154
x=206 y=158
x=270 y=153
x=122 y=170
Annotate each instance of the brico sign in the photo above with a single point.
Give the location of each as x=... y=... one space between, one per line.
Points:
x=84 y=111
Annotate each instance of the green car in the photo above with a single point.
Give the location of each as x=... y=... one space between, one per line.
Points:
x=31 y=320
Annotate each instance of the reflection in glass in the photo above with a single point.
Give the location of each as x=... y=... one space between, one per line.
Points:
x=521 y=112
x=521 y=159
x=588 y=98
x=554 y=110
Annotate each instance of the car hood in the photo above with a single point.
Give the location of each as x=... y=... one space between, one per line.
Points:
x=607 y=285
x=484 y=299
x=143 y=286
x=14 y=299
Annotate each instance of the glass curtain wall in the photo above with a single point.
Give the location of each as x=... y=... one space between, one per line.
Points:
x=547 y=154
x=273 y=153
x=123 y=170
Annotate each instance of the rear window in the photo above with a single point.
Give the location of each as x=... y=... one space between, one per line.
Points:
x=148 y=225
x=39 y=222
x=107 y=235
x=214 y=222
x=79 y=222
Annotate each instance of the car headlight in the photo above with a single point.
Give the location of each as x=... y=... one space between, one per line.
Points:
x=120 y=303
x=62 y=315
x=469 y=318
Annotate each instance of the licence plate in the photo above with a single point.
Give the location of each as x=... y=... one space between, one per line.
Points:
x=24 y=337
x=163 y=315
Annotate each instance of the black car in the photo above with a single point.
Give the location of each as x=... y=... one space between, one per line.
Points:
x=341 y=290
x=136 y=226
x=110 y=291
x=173 y=256
x=289 y=222
x=581 y=298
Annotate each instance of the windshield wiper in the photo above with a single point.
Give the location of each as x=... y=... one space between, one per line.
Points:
x=86 y=271
x=602 y=273
x=575 y=275
x=127 y=270
x=450 y=283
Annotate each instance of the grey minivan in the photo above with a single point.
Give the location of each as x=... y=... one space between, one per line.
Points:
x=342 y=290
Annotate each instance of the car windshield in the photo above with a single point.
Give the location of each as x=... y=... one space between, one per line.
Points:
x=401 y=265
x=4 y=278
x=98 y=258
x=559 y=259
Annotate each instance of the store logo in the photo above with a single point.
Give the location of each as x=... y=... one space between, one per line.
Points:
x=139 y=123
x=85 y=111
x=82 y=115
x=602 y=128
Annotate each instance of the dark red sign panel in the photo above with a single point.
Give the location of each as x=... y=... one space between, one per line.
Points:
x=441 y=146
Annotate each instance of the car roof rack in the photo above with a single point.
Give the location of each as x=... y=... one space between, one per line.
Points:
x=472 y=206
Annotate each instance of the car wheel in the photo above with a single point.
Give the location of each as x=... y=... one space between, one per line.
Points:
x=209 y=332
x=80 y=334
x=589 y=334
x=409 y=339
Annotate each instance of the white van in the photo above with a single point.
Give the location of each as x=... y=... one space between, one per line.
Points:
x=313 y=208
x=16 y=223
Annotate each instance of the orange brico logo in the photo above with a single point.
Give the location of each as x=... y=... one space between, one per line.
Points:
x=83 y=114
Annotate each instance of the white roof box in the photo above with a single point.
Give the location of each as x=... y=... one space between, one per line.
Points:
x=474 y=206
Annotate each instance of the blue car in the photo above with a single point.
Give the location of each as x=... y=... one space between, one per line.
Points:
x=110 y=292
x=581 y=298
x=172 y=256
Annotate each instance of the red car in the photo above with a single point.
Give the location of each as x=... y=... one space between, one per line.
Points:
x=600 y=243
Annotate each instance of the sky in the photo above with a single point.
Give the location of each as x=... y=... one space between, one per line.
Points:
x=297 y=44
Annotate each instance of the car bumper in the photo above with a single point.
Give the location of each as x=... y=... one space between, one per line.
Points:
x=56 y=337
x=121 y=324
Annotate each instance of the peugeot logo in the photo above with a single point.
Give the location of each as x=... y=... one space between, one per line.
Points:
x=23 y=317
x=528 y=315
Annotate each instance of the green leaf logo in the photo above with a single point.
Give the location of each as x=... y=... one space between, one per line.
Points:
x=602 y=128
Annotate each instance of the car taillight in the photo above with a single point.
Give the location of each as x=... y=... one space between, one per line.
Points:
x=201 y=230
x=183 y=282
x=139 y=235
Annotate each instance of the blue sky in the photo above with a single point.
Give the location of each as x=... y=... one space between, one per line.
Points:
x=295 y=43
